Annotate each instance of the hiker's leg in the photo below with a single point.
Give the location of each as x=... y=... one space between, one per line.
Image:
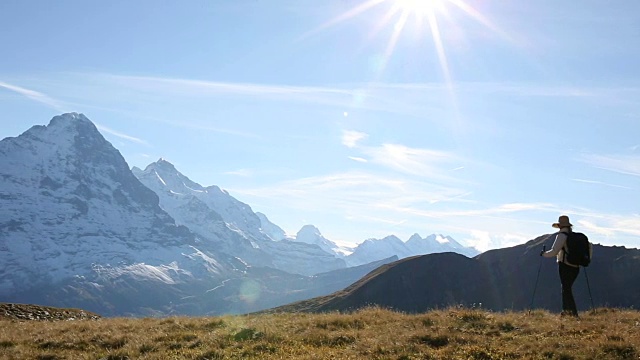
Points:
x=568 y=275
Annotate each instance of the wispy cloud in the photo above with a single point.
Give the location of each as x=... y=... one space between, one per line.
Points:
x=595 y=182
x=623 y=164
x=484 y=240
x=35 y=96
x=425 y=163
x=608 y=225
x=490 y=211
x=358 y=159
x=519 y=89
x=369 y=194
x=354 y=191
x=107 y=130
x=191 y=88
x=351 y=138
x=240 y=172
x=429 y=100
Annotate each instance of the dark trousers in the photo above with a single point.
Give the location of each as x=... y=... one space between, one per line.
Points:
x=568 y=275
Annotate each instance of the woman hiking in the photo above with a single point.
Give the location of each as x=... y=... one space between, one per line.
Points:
x=568 y=271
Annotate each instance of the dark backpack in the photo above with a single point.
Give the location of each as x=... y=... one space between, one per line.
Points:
x=577 y=249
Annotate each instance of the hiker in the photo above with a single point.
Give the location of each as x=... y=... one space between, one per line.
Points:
x=568 y=271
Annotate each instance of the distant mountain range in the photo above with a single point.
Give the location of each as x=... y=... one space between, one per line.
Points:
x=230 y=226
x=376 y=249
x=235 y=229
x=78 y=228
x=503 y=279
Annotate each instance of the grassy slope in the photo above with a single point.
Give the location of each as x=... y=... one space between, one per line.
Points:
x=371 y=333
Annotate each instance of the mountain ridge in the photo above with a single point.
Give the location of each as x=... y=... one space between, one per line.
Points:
x=375 y=249
x=231 y=224
x=500 y=279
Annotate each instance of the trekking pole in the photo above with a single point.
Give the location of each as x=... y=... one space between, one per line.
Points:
x=589 y=288
x=535 y=287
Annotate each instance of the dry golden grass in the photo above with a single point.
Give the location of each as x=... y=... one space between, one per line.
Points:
x=371 y=333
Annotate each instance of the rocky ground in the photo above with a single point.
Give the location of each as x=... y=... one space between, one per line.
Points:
x=25 y=312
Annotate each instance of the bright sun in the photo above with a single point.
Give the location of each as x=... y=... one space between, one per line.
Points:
x=423 y=12
x=419 y=7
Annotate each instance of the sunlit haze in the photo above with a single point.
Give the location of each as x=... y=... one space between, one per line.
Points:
x=481 y=120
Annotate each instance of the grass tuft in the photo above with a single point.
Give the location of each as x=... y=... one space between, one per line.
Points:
x=6 y=344
x=620 y=351
x=248 y=334
x=437 y=341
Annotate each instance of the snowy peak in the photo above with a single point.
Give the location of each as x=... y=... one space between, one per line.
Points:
x=73 y=202
x=377 y=249
x=65 y=133
x=391 y=239
x=311 y=235
x=270 y=229
x=165 y=176
x=308 y=232
x=71 y=119
x=164 y=166
x=414 y=237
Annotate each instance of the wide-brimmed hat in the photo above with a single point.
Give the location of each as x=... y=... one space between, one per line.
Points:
x=563 y=221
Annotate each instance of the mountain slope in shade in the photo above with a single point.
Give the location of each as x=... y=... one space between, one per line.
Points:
x=68 y=201
x=231 y=225
x=502 y=279
x=413 y=284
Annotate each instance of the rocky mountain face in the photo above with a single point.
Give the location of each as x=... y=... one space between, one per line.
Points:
x=230 y=225
x=78 y=229
x=74 y=219
x=68 y=201
x=376 y=249
x=502 y=279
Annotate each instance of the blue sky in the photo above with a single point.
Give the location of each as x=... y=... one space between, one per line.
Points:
x=483 y=120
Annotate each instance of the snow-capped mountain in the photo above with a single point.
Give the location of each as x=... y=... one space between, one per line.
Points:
x=310 y=234
x=376 y=249
x=230 y=224
x=69 y=205
x=270 y=229
x=174 y=188
x=436 y=243
x=79 y=229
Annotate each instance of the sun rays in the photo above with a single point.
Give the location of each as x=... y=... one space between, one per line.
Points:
x=400 y=13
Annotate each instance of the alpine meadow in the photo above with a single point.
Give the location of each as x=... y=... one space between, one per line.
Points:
x=336 y=179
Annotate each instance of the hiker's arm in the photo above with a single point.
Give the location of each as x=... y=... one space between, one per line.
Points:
x=557 y=246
